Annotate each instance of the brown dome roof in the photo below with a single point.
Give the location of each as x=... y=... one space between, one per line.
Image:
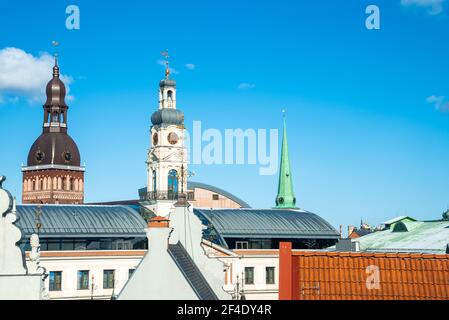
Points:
x=54 y=148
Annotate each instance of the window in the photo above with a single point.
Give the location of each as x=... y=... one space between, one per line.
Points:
x=215 y=197
x=260 y=244
x=105 y=244
x=172 y=184
x=67 y=245
x=80 y=245
x=269 y=275
x=241 y=244
x=123 y=245
x=249 y=275
x=83 y=280
x=55 y=279
x=108 y=279
x=130 y=272
x=154 y=181
x=54 y=245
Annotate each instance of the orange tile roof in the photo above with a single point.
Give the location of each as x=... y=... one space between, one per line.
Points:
x=346 y=276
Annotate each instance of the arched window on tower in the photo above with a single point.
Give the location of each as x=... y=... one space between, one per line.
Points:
x=172 y=184
x=55 y=117
x=170 y=98
x=154 y=181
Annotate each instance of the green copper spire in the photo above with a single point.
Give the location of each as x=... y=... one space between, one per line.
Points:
x=286 y=198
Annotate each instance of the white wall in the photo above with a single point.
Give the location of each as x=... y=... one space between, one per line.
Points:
x=70 y=265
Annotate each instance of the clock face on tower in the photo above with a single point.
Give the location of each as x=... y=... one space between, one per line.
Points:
x=155 y=139
x=173 y=138
x=67 y=156
x=39 y=156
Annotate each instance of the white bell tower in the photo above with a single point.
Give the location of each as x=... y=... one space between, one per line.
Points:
x=167 y=157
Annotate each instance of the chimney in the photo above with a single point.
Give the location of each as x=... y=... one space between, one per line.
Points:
x=182 y=201
x=158 y=222
x=347 y=245
x=350 y=230
x=158 y=232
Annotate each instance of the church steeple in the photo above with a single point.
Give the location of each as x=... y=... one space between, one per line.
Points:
x=55 y=107
x=285 y=198
x=53 y=173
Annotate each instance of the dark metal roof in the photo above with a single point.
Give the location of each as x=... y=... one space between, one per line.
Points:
x=167 y=116
x=192 y=185
x=81 y=221
x=53 y=147
x=268 y=223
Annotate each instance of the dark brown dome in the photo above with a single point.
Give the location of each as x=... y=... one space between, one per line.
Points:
x=54 y=148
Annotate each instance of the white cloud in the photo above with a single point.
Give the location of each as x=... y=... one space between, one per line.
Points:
x=190 y=66
x=25 y=75
x=172 y=70
x=432 y=6
x=439 y=103
x=246 y=86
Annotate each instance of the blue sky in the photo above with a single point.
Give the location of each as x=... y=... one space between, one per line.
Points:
x=364 y=140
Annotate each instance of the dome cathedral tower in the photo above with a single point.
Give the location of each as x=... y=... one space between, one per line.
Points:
x=53 y=173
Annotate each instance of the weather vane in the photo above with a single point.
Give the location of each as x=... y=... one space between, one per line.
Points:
x=55 y=44
x=166 y=56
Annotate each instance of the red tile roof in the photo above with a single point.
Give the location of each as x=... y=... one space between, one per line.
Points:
x=350 y=276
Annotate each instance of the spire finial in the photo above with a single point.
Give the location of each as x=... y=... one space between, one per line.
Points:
x=167 y=69
x=56 y=66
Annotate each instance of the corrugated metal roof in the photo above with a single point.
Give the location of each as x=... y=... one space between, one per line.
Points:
x=344 y=276
x=422 y=236
x=267 y=223
x=77 y=221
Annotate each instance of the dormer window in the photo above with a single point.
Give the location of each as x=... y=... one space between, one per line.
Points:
x=400 y=227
